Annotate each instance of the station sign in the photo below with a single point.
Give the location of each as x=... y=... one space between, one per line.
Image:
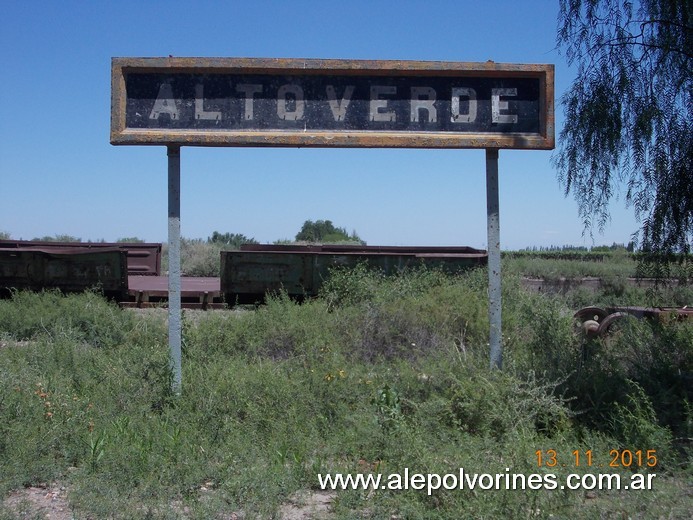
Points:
x=324 y=103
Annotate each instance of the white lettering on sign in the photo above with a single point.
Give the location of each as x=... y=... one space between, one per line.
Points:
x=283 y=100
x=249 y=89
x=339 y=108
x=200 y=112
x=470 y=116
x=426 y=104
x=497 y=105
x=379 y=110
x=291 y=104
x=164 y=104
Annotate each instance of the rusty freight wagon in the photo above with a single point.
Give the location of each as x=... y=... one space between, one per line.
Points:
x=247 y=275
x=128 y=273
x=142 y=258
x=66 y=269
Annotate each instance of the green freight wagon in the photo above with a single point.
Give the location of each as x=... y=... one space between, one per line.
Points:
x=247 y=275
x=143 y=258
x=66 y=269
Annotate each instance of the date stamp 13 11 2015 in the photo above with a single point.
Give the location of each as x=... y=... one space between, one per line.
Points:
x=617 y=458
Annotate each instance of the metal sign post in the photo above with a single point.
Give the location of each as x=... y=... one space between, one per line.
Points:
x=174 y=283
x=494 y=258
x=178 y=102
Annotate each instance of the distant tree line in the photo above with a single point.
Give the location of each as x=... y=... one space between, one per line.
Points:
x=324 y=231
x=570 y=248
x=230 y=240
x=58 y=238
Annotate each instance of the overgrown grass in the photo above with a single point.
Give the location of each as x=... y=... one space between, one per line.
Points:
x=614 y=267
x=377 y=374
x=617 y=266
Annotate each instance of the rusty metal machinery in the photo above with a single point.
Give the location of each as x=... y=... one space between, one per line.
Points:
x=598 y=321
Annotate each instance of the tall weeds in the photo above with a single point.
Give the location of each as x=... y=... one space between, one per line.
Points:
x=376 y=374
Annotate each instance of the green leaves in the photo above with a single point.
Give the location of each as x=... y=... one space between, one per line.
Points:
x=629 y=115
x=325 y=231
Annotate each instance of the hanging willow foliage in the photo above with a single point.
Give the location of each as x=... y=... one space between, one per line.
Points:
x=628 y=115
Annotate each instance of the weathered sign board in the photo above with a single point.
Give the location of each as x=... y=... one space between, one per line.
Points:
x=343 y=103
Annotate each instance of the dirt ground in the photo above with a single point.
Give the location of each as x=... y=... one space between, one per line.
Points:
x=50 y=503
x=311 y=505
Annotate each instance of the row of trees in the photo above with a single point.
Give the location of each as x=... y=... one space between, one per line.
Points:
x=311 y=231
x=319 y=231
x=68 y=238
x=230 y=240
x=569 y=248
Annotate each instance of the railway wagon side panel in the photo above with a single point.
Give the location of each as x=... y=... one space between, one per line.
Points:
x=248 y=276
x=454 y=263
x=106 y=270
x=19 y=269
x=387 y=263
x=33 y=269
x=142 y=258
x=392 y=263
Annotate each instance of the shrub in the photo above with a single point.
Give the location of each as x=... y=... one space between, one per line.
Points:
x=198 y=257
x=416 y=312
x=85 y=317
x=635 y=424
x=496 y=404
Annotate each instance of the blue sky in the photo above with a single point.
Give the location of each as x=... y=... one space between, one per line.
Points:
x=60 y=175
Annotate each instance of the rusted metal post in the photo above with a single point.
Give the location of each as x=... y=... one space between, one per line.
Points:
x=494 y=258
x=174 y=283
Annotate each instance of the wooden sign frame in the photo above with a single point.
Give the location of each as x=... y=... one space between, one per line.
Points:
x=392 y=103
